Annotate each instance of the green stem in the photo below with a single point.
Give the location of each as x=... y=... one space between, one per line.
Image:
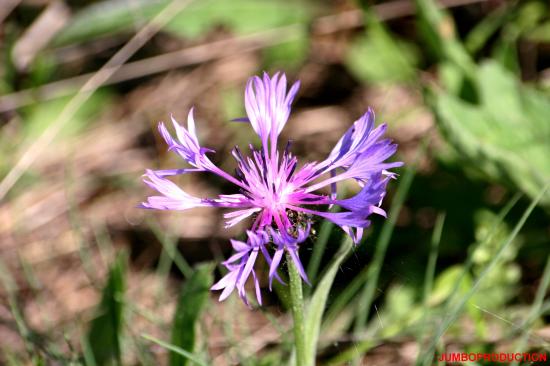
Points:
x=297 y=307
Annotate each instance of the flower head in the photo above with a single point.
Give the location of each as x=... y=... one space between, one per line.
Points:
x=278 y=196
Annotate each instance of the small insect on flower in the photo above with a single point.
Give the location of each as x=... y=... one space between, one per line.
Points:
x=278 y=196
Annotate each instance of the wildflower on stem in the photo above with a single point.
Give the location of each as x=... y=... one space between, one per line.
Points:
x=279 y=197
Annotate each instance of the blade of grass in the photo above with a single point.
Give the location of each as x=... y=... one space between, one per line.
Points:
x=454 y=313
x=430 y=271
x=535 y=309
x=169 y=247
x=316 y=306
x=482 y=32
x=349 y=354
x=319 y=250
x=105 y=332
x=89 y=359
x=432 y=259
x=104 y=244
x=438 y=30
x=143 y=355
x=320 y=246
x=192 y=299
x=191 y=357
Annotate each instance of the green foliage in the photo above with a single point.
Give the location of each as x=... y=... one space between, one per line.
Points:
x=486 y=113
x=506 y=135
x=242 y=16
x=377 y=56
x=499 y=287
x=446 y=282
x=497 y=126
x=104 y=336
x=437 y=28
x=487 y=27
x=399 y=311
x=453 y=311
x=317 y=304
x=192 y=300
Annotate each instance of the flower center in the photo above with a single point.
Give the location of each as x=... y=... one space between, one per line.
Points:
x=267 y=178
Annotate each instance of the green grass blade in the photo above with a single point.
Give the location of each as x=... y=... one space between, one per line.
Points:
x=104 y=336
x=316 y=306
x=191 y=302
x=454 y=313
x=438 y=31
x=188 y=355
x=169 y=247
x=88 y=355
x=430 y=270
x=535 y=309
x=432 y=259
x=478 y=37
x=345 y=357
x=319 y=250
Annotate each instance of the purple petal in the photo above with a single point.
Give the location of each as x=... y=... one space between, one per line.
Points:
x=173 y=197
x=275 y=264
x=267 y=105
x=238 y=216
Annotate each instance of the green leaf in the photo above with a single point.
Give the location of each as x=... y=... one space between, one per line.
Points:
x=378 y=57
x=104 y=336
x=506 y=135
x=317 y=304
x=437 y=28
x=484 y=30
x=193 y=297
x=242 y=16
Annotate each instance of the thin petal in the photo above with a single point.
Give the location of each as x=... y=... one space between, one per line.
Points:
x=174 y=198
x=268 y=105
x=275 y=264
x=239 y=215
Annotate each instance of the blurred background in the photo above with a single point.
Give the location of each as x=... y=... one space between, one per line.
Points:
x=464 y=86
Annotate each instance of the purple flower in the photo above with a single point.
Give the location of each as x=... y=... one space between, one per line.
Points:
x=279 y=197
